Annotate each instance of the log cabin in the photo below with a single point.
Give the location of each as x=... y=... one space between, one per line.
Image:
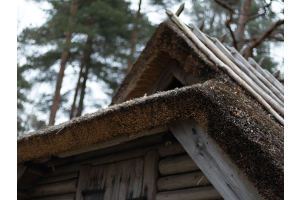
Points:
x=180 y=126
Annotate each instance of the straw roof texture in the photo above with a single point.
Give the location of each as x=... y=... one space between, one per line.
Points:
x=245 y=131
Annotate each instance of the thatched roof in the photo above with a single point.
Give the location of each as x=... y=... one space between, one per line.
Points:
x=244 y=130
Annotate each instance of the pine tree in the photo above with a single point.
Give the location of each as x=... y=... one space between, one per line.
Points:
x=107 y=23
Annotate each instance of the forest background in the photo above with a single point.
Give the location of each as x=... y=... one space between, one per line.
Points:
x=107 y=36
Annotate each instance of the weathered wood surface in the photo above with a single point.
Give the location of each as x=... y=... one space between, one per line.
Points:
x=121 y=180
x=198 y=193
x=150 y=175
x=52 y=179
x=250 y=71
x=278 y=86
x=82 y=181
x=163 y=81
x=20 y=171
x=214 y=163
x=115 y=141
x=177 y=165
x=137 y=143
x=173 y=149
x=182 y=181
x=228 y=70
x=56 y=188
x=183 y=76
x=70 y=196
x=242 y=71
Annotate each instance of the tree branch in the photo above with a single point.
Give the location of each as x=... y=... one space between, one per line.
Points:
x=259 y=39
x=224 y=5
x=259 y=15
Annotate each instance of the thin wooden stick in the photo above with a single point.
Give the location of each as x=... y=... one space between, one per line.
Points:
x=260 y=62
x=238 y=56
x=229 y=60
x=224 y=67
x=180 y=9
x=258 y=68
x=275 y=79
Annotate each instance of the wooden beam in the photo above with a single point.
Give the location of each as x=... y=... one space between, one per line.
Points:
x=177 y=165
x=83 y=180
x=20 y=171
x=173 y=149
x=58 y=178
x=115 y=141
x=163 y=81
x=182 y=181
x=69 y=196
x=217 y=166
x=182 y=75
x=199 y=193
x=150 y=175
x=140 y=142
x=56 y=188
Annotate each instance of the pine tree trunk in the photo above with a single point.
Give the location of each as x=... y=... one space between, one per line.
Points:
x=82 y=93
x=241 y=25
x=134 y=38
x=64 y=59
x=82 y=64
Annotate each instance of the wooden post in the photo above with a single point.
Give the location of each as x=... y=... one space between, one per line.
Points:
x=150 y=175
x=217 y=166
x=83 y=180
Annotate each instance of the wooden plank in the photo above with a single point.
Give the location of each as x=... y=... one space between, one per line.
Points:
x=56 y=188
x=52 y=179
x=163 y=81
x=20 y=171
x=177 y=164
x=69 y=196
x=115 y=141
x=82 y=181
x=150 y=175
x=182 y=181
x=124 y=181
x=183 y=76
x=137 y=143
x=173 y=149
x=199 y=193
x=213 y=162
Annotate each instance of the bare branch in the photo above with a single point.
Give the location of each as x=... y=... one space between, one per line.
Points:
x=259 y=15
x=201 y=24
x=261 y=38
x=231 y=11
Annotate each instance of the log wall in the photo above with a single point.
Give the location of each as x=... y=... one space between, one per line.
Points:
x=178 y=176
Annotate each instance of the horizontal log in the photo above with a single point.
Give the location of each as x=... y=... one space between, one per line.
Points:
x=198 y=193
x=56 y=188
x=173 y=149
x=177 y=165
x=182 y=181
x=52 y=179
x=70 y=196
x=115 y=141
x=140 y=142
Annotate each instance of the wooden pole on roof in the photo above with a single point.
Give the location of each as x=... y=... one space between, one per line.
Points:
x=248 y=70
x=244 y=73
x=224 y=67
x=180 y=9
